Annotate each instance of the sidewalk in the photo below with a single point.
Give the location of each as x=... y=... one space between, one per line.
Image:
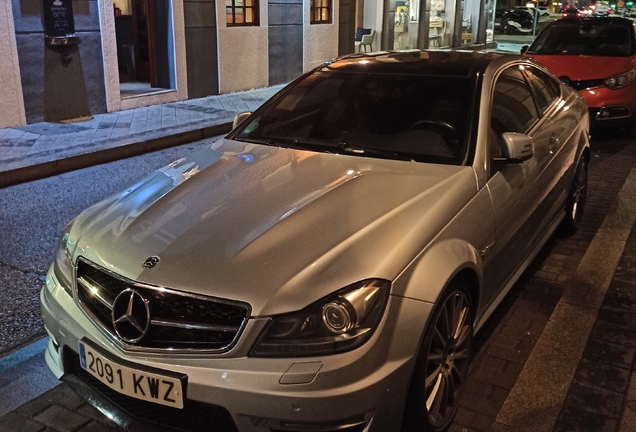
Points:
x=44 y=149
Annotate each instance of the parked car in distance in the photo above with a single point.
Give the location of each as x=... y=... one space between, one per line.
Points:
x=542 y=11
x=571 y=13
x=597 y=57
x=601 y=8
x=325 y=266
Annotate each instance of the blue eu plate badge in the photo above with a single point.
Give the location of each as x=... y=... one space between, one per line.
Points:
x=82 y=356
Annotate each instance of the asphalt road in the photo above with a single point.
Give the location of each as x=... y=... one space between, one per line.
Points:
x=32 y=216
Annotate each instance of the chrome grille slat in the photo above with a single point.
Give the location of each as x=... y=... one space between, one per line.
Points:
x=179 y=322
x=96 y=291
x=194 y=326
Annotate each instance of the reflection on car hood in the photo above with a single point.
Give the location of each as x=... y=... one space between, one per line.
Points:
x=257 y=223
x=581 y=68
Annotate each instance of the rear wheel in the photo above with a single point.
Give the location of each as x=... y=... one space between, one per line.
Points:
x=576 y=198
x=442 y=365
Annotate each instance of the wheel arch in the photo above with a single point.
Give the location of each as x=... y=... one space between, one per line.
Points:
x=429 y=275
x=470 y=281
x=454 y=261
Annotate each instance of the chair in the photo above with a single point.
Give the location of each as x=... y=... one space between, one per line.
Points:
x=433 y=39
x=366 y=41
x=361 y=31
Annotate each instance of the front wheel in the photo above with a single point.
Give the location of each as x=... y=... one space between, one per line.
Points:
x=576 y=198
x=442 y=365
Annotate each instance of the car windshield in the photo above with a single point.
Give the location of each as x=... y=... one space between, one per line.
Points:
x=584 y=38
x=406 y=117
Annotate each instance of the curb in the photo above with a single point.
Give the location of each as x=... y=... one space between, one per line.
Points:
x=124 y=151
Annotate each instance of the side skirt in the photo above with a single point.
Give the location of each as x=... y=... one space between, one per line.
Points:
x=524 y=265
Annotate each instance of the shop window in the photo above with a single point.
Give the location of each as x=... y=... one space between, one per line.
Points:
x=320 y=12
x=241 y=12
x=441 y=23
x=406 y=24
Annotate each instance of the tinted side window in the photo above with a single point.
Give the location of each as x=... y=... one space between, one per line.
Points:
x=546 y=90
x=513 y=106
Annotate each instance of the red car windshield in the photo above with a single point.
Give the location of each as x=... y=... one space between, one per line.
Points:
x=596 y=38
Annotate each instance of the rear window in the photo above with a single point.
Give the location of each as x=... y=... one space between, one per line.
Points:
x=583 y=38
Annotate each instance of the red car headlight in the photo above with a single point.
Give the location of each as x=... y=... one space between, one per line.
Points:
x=621 y=80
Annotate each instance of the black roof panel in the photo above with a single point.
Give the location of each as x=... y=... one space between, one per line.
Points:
x=416 y=62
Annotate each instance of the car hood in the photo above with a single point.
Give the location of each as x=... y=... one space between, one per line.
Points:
x=276 y=228
x=581 y=68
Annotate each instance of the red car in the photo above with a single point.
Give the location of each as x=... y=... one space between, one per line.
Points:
x=597 y=57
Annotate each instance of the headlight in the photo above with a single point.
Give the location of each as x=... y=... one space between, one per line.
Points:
x=63 y=266
x=622 y=80
x=337 y=323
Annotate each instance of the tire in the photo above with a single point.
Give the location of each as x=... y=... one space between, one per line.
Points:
x=576 y=199
x=442 y=364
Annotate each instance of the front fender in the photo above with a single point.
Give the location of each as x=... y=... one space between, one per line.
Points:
x=431 y=272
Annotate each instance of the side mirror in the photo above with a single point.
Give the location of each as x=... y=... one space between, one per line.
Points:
x=517 y=147
x=240 y=117
x=524 y=49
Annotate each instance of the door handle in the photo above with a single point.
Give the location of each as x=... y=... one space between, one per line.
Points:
x=554 y=142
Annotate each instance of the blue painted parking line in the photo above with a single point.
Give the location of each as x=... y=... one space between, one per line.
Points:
x=23 y=354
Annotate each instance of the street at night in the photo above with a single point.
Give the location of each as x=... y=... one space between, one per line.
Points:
x=560 y=342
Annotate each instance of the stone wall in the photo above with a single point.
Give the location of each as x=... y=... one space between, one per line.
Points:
x=285 y=40
x=201 y=48
x=11 y=102
x=52 y=89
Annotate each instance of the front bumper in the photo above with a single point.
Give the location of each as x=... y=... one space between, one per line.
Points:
x=611 y=108
x=366 y=386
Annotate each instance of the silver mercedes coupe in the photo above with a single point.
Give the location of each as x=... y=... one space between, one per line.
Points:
x=325 y=266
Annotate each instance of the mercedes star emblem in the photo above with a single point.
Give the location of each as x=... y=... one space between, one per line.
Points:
x=151 y=262
x=131 y=315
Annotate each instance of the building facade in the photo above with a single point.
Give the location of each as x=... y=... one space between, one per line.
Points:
x=69 y=59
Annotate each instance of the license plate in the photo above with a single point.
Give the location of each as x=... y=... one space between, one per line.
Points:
x=138 y=383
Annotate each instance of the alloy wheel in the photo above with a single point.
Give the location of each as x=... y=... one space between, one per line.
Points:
x=448 y=359
x=579 y=192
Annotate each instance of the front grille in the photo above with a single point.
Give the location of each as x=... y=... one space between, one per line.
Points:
x=584 y=84
x=194 y=417
x=178 y=321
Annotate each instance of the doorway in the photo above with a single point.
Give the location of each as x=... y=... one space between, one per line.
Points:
x=145 y=46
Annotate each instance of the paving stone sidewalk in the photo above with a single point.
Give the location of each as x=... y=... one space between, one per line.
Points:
x=44 y=149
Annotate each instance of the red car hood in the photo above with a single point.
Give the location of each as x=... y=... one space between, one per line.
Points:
x=579 y=68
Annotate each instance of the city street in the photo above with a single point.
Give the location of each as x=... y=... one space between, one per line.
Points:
x=529 y=332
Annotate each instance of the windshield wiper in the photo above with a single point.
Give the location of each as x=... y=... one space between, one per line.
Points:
x=330 y=147
x=256 y=140
x=386 y=154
